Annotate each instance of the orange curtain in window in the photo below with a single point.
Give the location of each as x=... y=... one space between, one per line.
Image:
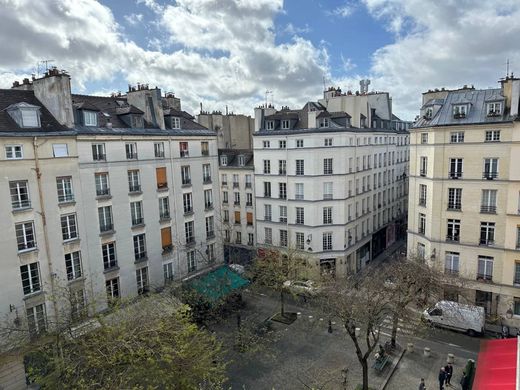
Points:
x=160 y=173
x=249 y=218
x=166 y=237
x=237 y=216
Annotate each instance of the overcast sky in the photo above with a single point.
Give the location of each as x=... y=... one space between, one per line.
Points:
x=229 y=52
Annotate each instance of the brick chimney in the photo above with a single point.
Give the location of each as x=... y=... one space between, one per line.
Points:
x=511 y=91
x=148 y=101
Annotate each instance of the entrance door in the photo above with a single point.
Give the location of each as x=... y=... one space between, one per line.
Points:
x=484 y=299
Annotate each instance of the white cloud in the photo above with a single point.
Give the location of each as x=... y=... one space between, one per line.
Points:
x=291 y=29
x=347 y=63
x=133 y=19
x=344 y=10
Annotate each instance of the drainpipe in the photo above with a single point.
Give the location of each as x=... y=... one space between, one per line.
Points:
x=44 y=221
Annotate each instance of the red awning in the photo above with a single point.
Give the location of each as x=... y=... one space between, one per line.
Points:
x=496 y=365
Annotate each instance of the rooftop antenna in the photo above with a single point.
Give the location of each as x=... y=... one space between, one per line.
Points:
x=324 y=81
x=45 y=63
x=507 y=68
x=267 y=92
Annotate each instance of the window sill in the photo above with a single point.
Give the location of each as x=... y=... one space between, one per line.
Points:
x=111 y=269
x=165 y=219
x=131 y=193
x=103 y=197
x=187 y=185
x=22 y=210
x=207 y=182
x=188 y=213
x=190 y=244
x=163 y=189
x=29 y=250
x=210 y=208
x=138 y=226
x=33 y=295
x=71 y=241
x=81 y=279
x=107 y=233
x=67 y=203
x=141 y=260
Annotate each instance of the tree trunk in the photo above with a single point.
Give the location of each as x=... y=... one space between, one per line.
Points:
x=282 y=303
x=364 y=364
x=395 y=322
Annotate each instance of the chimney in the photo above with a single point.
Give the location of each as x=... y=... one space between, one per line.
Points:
x=150 y=102
x=260 y=113
x=53 y=90
x=311 y=119
x=511 y=91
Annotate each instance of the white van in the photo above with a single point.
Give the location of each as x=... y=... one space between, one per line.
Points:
x=457 y=316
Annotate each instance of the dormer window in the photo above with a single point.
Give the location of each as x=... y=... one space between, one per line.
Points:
x=25 y=115
x=286 y=124
x=428 y=113
x=460 y=111
x=223 y=160
x=90 y=118
x=241 y=160
x=137 y=121
x=176 y=122
x=494 y=109
x=324 y=122
x=269 y=125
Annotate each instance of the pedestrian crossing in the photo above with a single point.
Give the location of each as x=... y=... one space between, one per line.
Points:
x=410 y=327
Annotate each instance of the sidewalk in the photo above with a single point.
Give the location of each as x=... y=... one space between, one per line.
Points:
x=388 y=252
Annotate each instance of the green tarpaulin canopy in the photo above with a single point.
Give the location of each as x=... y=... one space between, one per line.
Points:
x=219 y=283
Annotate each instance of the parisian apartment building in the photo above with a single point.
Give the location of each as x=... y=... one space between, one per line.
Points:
x=331 y=179
x=102 y=197
x=234 y=131
x=464 y=203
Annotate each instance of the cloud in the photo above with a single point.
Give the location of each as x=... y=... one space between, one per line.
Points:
x=344 y=10
x=347 y=63
x=133 y=19
x=291 y=29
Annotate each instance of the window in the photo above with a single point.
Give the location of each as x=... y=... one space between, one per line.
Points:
x=299 y=143
x=204 y=148
x=13 y=152
x=327 y=241
x=267 y=189
x=224 y=179
x=283 y=214
x=105 y=219
x=136 y=211
x=518 y=237
x=250 y=239
x=237 y=198
x=241 y=160
x=300 y=215
x=249 y=218
x=268 y=235
x=422 y=223
x=300 y=240
x=189 y=231
x=282 y=144
x=238 y=219
x=286 y=124
x=140 y=247
x=249 y=199
x=160 y=176
x=206 y=173
x=36 y=319
x=451 y=263
x=226 y=215
x=141 y=276
x=176 y=122
x=421 y=250
x=328 y=142
x=183 y=148
x=455 y=168
x=487 y=233
x=134 y=182
x=490 y=168
x=492 y=136
x=158 y=149
x=459 y=111
x=494 y=109
x=225 y=198
x=187 y=202
x=300 y=170
x=422 y=194
x=64 y=186
x=456 y=137
x=108 y=251
x=208 y=199
x=60 y=150
x=454 y=198
x=283 y=237
x=69 y=230
x=267 y=166
x=73 y=265
x=327 y=215
x=327 y=190
x=19 y=194
x=423 y=166
x=238 y=239
x=166 y=239
x=489 y=201
x=428 y=113
x=269 y=125
x=30 y=278
x=89 y=118
x=324 y=122
x=516 y=279
x=98 y=152
x=223 y=160
x=299 y=191
x=327 y=166
x=424 y=138
x=268 y=214
x=236 y=181
x=516 y=306
x=131 y=151
x=266 y=144
x=185 y=175
x=102 y=184
x=190 y=259
x=164 y=208
x=248 y=181
x=485 y=268
x=282 y=190
x=112 y=287
x=25 y=236
x=453 y=233
x=282 y=167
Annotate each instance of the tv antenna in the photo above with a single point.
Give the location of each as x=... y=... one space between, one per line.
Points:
x=44 y=63
x=267 y=93
x=507 y=68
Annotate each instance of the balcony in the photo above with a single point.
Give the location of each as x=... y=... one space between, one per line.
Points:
x=188 y=211
x=186 y=182
x=190 y=241
x=224 y=184
x=134 y=188
x=237 y=202
x=422 y=172
x=205 y=152
x=206 y=180
x=185 y=153
x=210 y=235
x=489 y=175
x=108 y=227
x=140 y=256
x=453 y=238
x=248 y=185
x=99 y=157
x=484 y=277
x=235 y=185
x=455 y=175
x=208 y=206
x=103 y=192
x=164 y=216
x=486 y=242
x=137 y=221
x=488 y=209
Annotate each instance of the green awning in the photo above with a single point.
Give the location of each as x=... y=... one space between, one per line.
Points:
x=219 y=283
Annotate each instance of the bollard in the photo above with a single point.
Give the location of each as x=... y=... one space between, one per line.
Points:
x=409 y=347
x=427 y=352
x=451 y=358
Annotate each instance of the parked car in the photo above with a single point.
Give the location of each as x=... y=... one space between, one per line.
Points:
x=239 y=269
x=456 y=316
x=301 y=287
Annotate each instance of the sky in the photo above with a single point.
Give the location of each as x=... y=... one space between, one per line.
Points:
x=230 y=52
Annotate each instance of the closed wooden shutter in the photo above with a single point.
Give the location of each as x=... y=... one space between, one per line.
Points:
x=160 y=173
x=237 y=216
x=166 y=237
x=249 y=218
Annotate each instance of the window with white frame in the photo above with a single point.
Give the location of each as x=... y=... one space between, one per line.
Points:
x=485 y=268
x=266 y=144
x=105 y=219
x=223 y=160
x=324 y=122
x=267 y=166
x=164 y=208
x=108 y=251
x=283 y=214
x=210 y=227
x=268 y=212
x=210 y=251
x=204 y=148
x=299 y=191
x=131 y=150
x=136 y=212
x=451 y=263
x=282 y=190
x=455 y=168
x=327 y=190
x=236 y=181
x=327 y=215
x=13 y=152
x=327 y=166
x=236 y=195
x=327 y=241
x=189 y=232
x=460 y=110
x=286 y=124
x=223 y=179
x=191 y=261
x=282 y=167
x=300 y=240
x=36 y=319
x=299 y=143
x=424 y=138
x=456 y=137
x=494 y=109
x=64 y=187
x=187 y=202
x=327 y=142
x=300 y=215
x=60 y=150
x=250 y=239
x=185 y=175
x=490 y=168
x=454 y=198
x=492 y=136
x=30 y=274
x=238 y=238
x=19 y=194
x=487 y=233
x=90 y=118
x=489 y=201
x=176 y=122
x=102 y=184
x=269 y=125
x=268 y=235
x=25 y=235
x=73 y=265
x=453 y=230
x=428 y=113
x=422 y=223
x=241 y=160
x=141 y=276
x=248 y=181
x=423 y=165
x=206 y=173
x=69 y=230
x=208 y=199
x=249 y=199
x=139 y=247
x=158 y=149
x=134 y=182
x=98 y=152
x=283 y=237
x=112 y=287
x=225 y=197
x=300 y=167
x=282 y=144
x=267 y=189
x=422 y=194
x=183 y=149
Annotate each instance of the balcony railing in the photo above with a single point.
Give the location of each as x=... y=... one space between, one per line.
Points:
x=106 y=227
x=22 y=204
x=454 y=206
x=235 y=185
x=455 y=174
x=103 y=191
x=134 y=188
x=140 y=256
x=137 y=221
x=488 y=209
x=489 y=175
x=99 y=157
x=210 y=234
x=282 y=171
x=224 y=183
x=248 y=185
x=190 y=240
x=422 y=201
x=486 y=241
x=484 y=277
x=451 y=271
x=453 y=237
x=206 y=180
x=185 y=153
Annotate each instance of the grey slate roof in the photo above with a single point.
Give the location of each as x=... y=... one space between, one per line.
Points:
x=477 y=100
x=91 y=130
x=232 y=158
